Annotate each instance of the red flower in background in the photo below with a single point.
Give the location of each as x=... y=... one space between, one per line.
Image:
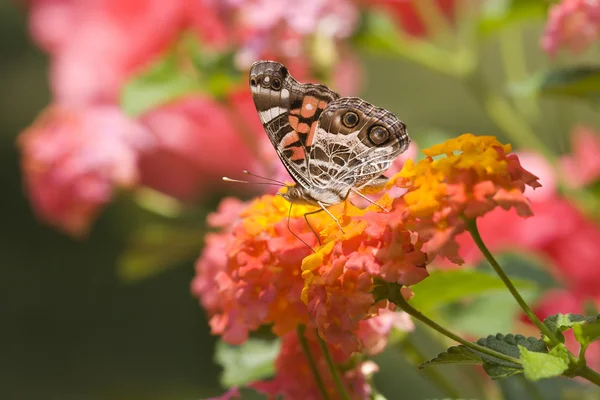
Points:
x=74 y=158
x=97 y=45
x=197 y=142
x=583 y=165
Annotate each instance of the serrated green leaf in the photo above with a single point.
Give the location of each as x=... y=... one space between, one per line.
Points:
x=254 y=360
x=443 y=287
x=496 y=368
x=508 y=345
x=562 y=322
x=537 y=365
x=454 y=355
x=587 y=332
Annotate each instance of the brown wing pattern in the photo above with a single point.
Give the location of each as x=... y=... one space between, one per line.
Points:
x=354 y=143
x=289 y=111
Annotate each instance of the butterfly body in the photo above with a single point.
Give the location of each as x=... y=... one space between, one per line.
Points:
x=330 y=145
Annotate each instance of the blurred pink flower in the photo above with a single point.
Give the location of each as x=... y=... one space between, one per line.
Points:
x=407 y=15
x=277 y=29
x=294 y=378
x=97 y=45
x=73 y=159
x=582 y=167
x=572 y=24
x=198 y=141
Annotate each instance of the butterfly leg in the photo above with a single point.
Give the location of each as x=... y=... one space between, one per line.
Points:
x=331 y=215
x=369 y=200
x=310 y=226
x=298 y=237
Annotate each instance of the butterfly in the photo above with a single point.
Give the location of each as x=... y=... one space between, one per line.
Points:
x=330 y=145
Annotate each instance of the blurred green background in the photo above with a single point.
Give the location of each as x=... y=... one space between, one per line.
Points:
x=72 y=330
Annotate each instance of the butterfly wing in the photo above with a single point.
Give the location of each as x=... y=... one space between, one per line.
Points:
x=353 y=144
x=289 y=111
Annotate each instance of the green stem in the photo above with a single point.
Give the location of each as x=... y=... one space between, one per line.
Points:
x=512 y=55
x=589 y=374
x=408 y=346
x=401 y=302
x=311 y=361
x=333 y=369
x=472 y=228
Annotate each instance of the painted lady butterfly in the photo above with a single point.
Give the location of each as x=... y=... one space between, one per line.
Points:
x=330 y=145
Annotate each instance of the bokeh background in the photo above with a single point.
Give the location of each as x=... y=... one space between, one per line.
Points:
x=75 y=327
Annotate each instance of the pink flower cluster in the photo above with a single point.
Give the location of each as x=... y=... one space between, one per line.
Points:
x=98 y=46
x=572 y=24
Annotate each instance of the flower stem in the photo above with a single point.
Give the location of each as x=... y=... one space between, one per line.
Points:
x=311 y=361
x=438 y=379
x=589 y=374
x=472 y=228
x=401 y=302
x=332 y=369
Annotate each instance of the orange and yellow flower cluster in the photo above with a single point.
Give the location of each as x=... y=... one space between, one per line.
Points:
x=465 y=177
x=265 y=275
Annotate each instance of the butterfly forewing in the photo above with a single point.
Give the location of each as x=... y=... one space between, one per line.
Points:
x=289 y=111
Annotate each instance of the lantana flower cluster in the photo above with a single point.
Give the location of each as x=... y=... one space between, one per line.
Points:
x=463 y=178
x=255 y=271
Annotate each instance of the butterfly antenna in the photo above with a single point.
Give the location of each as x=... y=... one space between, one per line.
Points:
x=266 y=179
x=226 y=179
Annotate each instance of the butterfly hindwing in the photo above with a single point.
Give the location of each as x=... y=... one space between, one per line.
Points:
x=289 y=111
x=355 y=142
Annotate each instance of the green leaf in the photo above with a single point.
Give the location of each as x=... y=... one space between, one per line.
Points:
x=508 y=345
x=444 y=287
x=160 y=83
x=454 y=355
x=587 y=332
x=501 y=14
x=254 y=360
x=537 y=365
x=496 y=368
x=560 y=323
x=188 y=68
x=156 y=248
